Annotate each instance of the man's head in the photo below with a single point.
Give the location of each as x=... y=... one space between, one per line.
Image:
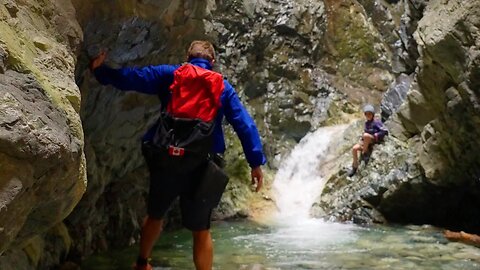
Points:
x=201 y=49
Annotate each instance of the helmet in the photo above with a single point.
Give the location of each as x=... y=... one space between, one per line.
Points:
x=369 y=108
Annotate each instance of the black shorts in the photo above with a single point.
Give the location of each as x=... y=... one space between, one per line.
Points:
x=166 y=186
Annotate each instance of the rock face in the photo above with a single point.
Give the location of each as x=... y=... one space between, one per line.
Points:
x=42 y=165
x=435 y=178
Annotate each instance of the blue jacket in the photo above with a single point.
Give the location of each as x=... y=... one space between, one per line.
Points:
x=376 y=128
x=156 y=80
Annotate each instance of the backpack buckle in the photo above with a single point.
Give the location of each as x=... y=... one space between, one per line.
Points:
x=176 y=151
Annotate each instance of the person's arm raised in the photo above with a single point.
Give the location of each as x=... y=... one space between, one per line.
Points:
x=147 y=80
x=98 y=60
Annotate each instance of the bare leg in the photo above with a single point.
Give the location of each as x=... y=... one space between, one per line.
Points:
x=367 y=140
x=151 y=230
x=202 y=250
x=355 y=149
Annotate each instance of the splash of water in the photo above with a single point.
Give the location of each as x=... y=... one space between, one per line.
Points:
x=299 y=181
x=297 y=185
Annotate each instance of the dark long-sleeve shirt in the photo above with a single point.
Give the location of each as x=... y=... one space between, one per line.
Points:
x=376 y=128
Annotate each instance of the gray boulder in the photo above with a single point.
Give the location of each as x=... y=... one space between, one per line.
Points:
x=395 y=95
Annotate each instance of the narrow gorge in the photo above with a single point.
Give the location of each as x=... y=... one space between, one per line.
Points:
x=72 y=177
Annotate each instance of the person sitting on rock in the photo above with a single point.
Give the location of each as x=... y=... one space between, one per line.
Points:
x=373 y=133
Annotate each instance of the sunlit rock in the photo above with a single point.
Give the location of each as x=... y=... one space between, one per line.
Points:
x=42 y=165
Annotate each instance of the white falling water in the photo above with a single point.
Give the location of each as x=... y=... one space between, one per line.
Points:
x=298 y=181
x=297 y=184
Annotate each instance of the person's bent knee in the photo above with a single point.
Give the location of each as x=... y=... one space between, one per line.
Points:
x=356 y=147
x=368 y=137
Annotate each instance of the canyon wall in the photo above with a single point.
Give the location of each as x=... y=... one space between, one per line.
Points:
x=427 y=170
x=297 y=65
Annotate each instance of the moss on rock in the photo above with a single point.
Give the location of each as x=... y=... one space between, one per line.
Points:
x=43 y=172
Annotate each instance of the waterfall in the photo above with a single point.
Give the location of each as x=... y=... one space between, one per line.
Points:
x=299 y=181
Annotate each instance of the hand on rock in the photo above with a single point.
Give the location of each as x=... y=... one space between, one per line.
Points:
x=98 y=60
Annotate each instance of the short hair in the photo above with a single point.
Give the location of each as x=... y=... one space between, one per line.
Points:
x=201 y=49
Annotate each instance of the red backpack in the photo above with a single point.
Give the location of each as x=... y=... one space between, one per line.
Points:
x=183 y=137
x=195 y=93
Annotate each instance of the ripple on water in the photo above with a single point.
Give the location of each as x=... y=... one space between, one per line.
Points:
x=311 y=245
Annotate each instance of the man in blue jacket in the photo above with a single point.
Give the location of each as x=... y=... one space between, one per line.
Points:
x=156 y=80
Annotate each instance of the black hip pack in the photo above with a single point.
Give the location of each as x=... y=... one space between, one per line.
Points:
x=212 y=184
x=181 y=145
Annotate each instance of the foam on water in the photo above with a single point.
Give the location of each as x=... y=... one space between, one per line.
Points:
x=297 y=185
x=295 y=241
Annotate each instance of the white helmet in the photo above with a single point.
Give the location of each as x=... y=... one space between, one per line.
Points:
x=369 y=108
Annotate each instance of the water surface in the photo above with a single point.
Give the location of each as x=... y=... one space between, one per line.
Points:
x=294 y=241
x=312 y=244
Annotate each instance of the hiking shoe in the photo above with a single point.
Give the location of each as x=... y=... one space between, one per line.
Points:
x=352 y=172
x=143 y=267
